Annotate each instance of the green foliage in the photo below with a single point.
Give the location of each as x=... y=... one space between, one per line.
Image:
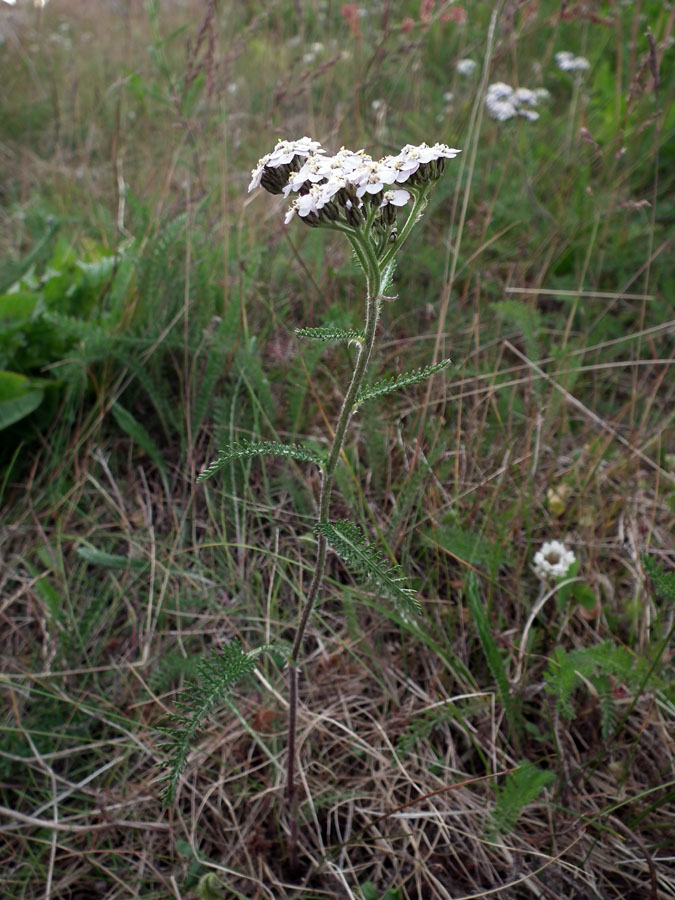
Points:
x=527 y=320
x=568 y=670
x=19 y=397
x=330 y=334
x=467 y=547
x=520 y=788
x=381 y=388
x=370 y=892
x=216 y=676
x=663 y=583
x=248 y=449
x=490 y=650
x=349 y=543
x=209 y=888
x=47 y=316
x=139 y=434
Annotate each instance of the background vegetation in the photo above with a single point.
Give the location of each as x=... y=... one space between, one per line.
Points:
x=147 y=316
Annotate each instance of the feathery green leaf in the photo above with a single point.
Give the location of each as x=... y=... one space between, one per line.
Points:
x=330 y=334
x=520 y=788
x=247 y=449
x=349 y=543
x=405 y=379
x=216 y=675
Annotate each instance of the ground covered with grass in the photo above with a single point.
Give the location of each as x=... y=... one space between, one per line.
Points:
x=516 y=739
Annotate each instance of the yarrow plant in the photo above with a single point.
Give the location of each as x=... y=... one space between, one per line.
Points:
x=568 y=62
x=504 y=102
x=361 y=197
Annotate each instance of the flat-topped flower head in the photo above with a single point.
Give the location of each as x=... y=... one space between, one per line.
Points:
x=504 y=103
x=350 y=187
x=466 y=66
x=568 y=62
x=273 y=169
x=553 y=561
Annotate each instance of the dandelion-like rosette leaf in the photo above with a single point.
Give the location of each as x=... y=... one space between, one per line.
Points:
x=350 y=544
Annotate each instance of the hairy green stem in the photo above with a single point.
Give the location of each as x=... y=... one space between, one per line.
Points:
x=366 y=257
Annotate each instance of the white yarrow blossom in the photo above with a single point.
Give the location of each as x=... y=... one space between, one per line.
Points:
x=283 y=154
x=553 y=561
x=466 y=66
x=349 y=188
x=395 y=198
x=504 y=103
x=568 y=62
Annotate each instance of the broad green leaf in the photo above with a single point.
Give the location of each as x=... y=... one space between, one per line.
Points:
x=19 y=397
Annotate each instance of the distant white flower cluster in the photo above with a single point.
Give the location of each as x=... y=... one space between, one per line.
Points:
x=568 y=62
x=466 y=66
x=503 y=102
x=553 y=561
x=349 y=184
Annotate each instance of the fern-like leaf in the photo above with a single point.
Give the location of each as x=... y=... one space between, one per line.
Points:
x=520 y=788
x=380 y=388
x=662 y=582
x=349 y=543
x=330 y=334
x=216 y=676
x=247 y=449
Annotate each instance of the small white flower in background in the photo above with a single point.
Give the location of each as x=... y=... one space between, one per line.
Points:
x=448 y=97
x=553 y=561
x=466 y=66
x=568 y=62
x=504 y=103
x=499 y=101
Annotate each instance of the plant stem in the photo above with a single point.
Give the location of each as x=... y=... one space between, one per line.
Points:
x=366 y=256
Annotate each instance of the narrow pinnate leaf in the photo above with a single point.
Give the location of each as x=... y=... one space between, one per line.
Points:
x=330 y=334
x=216 y=676
x=380 y=388
x=349 y=543
x=248 y=449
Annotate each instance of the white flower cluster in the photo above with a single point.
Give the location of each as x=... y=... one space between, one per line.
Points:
x=553 y=561
x=340 y=186
x=466 y=66
x=568 y=62
x=503 y=102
